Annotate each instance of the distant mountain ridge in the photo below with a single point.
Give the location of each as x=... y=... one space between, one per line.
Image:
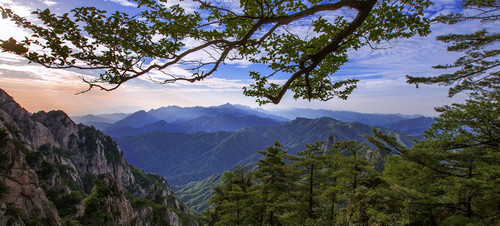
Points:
x=231 y=118
x=135 y=120
x=373 y=119
x=175 y=113
x=173 y=155
x=201 y=124
x=107 y=118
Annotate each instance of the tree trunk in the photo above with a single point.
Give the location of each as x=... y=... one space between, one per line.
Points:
x=469 y=196
x=311 y=181
x=332 y=209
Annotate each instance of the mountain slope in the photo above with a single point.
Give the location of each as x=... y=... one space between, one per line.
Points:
x=107 y=118
x=225 y=122
x=160 y=125
x=173 y=155
x=58 y=171
x=196 y=194
x=345 y=116
x=411 y=126
x=135 y=120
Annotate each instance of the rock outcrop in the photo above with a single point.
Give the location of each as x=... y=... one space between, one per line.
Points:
x=56 y=172
x=21 y=196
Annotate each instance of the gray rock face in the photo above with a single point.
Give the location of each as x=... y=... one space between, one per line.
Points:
x=90 y=151
x=47 y=156
x=24 y=200
x=33 y=132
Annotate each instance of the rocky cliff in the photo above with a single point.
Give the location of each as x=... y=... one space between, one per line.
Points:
x=55 y=172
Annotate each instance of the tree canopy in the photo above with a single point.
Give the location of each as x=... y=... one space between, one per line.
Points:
x=477 y=71
x=451 y=176
x=123 y=47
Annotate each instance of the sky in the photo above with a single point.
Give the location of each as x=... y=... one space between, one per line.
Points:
x=382 y=73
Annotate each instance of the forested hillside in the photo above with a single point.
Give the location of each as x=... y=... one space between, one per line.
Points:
x=173 y=154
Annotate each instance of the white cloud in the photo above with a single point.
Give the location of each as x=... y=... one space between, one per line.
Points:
x=21 y=10
x=49 y=3
x=124 y=3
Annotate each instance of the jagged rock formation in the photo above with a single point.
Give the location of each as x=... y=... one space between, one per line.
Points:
x=21 y=196
x=46 y=156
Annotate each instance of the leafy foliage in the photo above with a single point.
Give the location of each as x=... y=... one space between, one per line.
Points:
x=68 y=205
x=123 y=46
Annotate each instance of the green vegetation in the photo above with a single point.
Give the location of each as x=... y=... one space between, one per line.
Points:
x=91 y=136
x=196 y=194
x=476 y=72
x=260 y=32
x=173 y=155
x=448 y=178
x=65 y=174
x=13 y=211
x=94 y=205
x=145 y=179
x=110 y=149
x=160 y=210
x=11 y=128
x=4 y=156
x=315 y=187
x=451 y=177
x=67 y=205
x=47 y=148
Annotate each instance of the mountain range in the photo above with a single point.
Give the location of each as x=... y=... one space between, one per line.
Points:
x=227 y=122
x=173 y=155
x=229 y=117
x=192 y=146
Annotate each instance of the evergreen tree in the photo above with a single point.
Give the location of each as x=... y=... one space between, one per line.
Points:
x=274 y=183
x=310 y=162
x=452 y=175
x=476 y=71
x=230 y=200
x=335 y=181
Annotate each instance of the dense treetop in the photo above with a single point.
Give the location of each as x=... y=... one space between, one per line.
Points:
x=123 y=47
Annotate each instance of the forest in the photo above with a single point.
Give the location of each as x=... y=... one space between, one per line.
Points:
x=450 y=177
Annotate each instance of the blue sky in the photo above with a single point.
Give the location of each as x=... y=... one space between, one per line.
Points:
x=382 y=88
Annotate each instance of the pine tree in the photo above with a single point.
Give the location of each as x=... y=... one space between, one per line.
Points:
x=310 y=165
x=476 y=71
x=230 y=199
x=274 y=182
x=452 y=175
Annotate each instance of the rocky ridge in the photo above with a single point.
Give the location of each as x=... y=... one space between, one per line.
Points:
x=55 y=172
